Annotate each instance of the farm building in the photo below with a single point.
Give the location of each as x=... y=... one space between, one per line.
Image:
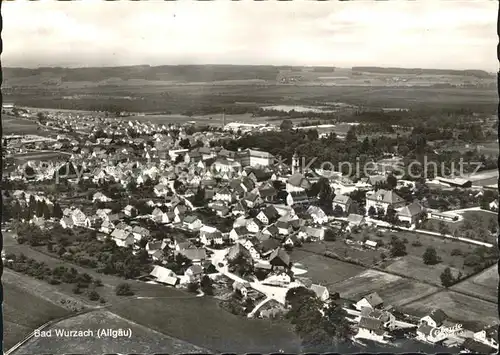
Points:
x=455 y=182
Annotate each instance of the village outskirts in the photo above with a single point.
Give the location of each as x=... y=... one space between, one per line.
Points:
x=200 y=211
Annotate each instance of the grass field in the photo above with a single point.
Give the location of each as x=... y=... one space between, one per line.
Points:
x=443 y=246
x=16 y=125
x=323 y=270
x=457 y=306
x=42 y=156
x=413 y=266
x=367 y=257
x=148 y=96
x=394 y=290
x=174 y=312
x=484 y=284
x=24 y=309
x=143 y=340
x=477 y=219
x=202 y=322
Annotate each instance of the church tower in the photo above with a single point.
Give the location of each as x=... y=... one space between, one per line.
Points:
x=295 y=163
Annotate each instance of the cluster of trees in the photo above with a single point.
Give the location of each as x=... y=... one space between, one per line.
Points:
x=82 y=248
x=319 y=325
x=241 y=265
x=55 y=276
x=430 y=256
x=447 y=278
x=397 y=247
x=33 y=208
x=205 y=284
x=124 y=289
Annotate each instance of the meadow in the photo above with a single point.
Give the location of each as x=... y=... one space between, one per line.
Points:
x=460 y=307
x=142 y=340
x=484 y=284
x=394 y=290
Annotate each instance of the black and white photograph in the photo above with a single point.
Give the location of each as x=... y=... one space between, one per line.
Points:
x=250 y=177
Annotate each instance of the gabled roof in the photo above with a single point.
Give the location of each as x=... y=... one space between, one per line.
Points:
x=271 y=212
x=191 y=219
x=281 y=255
x=195 y=269
x=411 y=210
x=298 y=196
x=194 y=253
x=120 y=234
x=299 y=180
x=385 y=196
x=438 y=316
x=164 y=275
x=318 y=289
x=341 y=199
x=374 y=299
x=272 y=229
x=236 y=249
x=373 y=324
x=267 y=191
x=268 y=245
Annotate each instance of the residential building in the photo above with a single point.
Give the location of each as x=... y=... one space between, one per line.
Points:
x=342 y=201
x=317 y=214
x=297 y=182
x=192 y=223
x=372 y=301
x=435 y=319
x=122 y=238
x=297 y=198
x=371 y=328
x=411 y=213
x=321 y=292
x=382 y=199
x=210 y=234
x=488 y=336
x=164 y=275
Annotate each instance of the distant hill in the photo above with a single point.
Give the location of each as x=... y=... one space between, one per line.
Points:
x=419 y=71
x=182 y=73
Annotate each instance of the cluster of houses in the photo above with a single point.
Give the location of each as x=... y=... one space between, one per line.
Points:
x=377 y=322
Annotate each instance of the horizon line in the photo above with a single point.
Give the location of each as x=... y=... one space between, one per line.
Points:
x=243 y=65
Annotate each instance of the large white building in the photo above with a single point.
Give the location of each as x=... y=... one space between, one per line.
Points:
x=256 y=158
x=382 y=199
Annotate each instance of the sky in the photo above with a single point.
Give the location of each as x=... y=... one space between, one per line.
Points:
x=447 y=34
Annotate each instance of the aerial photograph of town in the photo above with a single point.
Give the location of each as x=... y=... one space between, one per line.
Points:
x=250 y=177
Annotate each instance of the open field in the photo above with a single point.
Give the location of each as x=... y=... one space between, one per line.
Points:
x=175 y=312
x=142 y=340
x=17 y=125
x=47 y=155
x=459 y=307
x=23 y=310
x=202 y=322
x=484 y=285
x=413 y=266
x=323 y=270
x=177 y=98
x=394 y=290
x=340 y=248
